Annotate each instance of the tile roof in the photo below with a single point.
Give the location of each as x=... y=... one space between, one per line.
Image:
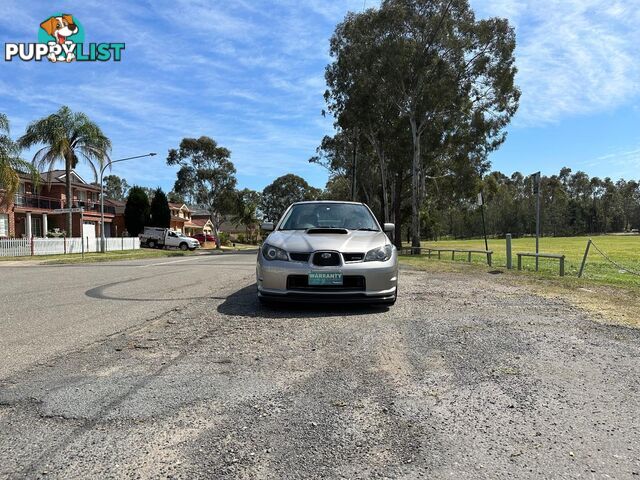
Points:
x=200 y=222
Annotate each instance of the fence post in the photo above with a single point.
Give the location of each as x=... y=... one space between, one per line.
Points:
x=82 y=242
x=453 y=254
x=122 y=243
x=489 y=260
x=32 y=246
x=65 y=244
x=584 y=259
x=562 y=266
x=519 y=262
x=509 y=256
x=469 y=257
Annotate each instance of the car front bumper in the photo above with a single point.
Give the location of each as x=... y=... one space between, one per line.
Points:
x=380 y=281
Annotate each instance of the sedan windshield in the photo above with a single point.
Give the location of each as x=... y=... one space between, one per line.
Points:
x=329 y=215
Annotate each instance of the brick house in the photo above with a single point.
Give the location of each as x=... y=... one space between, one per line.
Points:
x=180 y=217
x=118 y=228
x=31 y=212
x=200 y=222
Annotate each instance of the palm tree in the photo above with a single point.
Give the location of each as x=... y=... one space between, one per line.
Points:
x=68 y=137
x=11 y=165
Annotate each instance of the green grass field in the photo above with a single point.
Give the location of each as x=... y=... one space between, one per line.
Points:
x=623 y=249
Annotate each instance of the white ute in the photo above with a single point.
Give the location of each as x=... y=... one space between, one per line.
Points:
x=154 y=237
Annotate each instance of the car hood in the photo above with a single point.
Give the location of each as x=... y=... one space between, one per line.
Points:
x=299 y=241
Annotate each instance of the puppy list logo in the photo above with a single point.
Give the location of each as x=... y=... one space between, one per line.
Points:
x=61 y=39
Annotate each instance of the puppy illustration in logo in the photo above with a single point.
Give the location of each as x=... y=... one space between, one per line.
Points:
x=60 y=28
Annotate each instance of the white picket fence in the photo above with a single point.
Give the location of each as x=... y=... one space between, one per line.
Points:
x=23 y=247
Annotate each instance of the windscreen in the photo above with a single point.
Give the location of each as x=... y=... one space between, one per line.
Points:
x=329 y=215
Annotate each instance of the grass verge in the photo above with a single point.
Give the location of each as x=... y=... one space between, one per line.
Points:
x=97 y=257
x=612 y=303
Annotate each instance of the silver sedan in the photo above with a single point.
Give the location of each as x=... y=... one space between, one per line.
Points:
x=328 y=251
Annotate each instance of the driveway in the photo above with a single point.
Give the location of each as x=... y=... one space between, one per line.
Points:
x=466 y=377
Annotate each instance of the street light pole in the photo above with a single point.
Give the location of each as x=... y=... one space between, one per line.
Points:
x=108 y=164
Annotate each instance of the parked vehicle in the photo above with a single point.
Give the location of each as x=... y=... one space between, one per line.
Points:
x=201 y=237
x=154 y=237
x=328 y=251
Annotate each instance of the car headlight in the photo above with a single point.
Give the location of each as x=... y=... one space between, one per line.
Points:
x=380 y=254
x=270 y=252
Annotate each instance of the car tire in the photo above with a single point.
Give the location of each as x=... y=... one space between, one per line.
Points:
x=184 y=247
x=151 y=244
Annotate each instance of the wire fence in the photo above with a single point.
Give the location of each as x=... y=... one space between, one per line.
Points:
x=613 y=262
x=613 y=259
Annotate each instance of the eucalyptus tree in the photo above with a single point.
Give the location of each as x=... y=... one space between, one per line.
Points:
x=282 y=192
x=431 y=65
x=357 y=97
x=115 y=187
x=67 y=137
x=206 y=175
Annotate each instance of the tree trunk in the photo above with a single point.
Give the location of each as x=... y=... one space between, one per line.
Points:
x=216 y=228
x=415 y=185
x=383 y=177
x=67 y=169
x=397 y=207
x=383 y=181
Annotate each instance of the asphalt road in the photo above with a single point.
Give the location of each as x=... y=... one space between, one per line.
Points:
x=50 y=309
x=173 y=370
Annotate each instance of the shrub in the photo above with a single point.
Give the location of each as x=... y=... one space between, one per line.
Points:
x=224 y=238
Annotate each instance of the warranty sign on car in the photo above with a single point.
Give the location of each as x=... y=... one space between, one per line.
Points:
x=325 y=278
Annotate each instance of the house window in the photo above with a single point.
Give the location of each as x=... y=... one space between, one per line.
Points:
x=4 y=225
x=82 y=195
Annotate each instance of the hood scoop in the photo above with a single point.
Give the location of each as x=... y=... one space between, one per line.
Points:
x=337 y=231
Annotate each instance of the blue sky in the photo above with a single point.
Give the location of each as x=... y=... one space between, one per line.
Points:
x=249 y=73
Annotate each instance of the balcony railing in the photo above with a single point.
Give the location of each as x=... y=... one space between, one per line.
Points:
x=94 y=207
x=46 y=203
x=36 y=201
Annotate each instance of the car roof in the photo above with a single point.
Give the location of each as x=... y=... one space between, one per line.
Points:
x=327 y=201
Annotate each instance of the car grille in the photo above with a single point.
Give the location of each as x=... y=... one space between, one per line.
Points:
x=353 y=257
x=332 y=260
x=300 y=257
x=351 y=283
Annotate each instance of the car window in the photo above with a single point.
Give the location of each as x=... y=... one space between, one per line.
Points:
x=329 y=215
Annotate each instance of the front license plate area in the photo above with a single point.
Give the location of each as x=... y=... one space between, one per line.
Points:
x=324 y=279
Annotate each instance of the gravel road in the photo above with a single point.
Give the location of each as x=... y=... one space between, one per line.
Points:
x=466 y=377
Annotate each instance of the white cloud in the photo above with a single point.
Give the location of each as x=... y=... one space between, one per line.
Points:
x=627 y=159
x=574 y=56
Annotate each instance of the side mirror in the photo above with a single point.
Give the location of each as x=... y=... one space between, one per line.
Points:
x=268 y=226
x=389 y=228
